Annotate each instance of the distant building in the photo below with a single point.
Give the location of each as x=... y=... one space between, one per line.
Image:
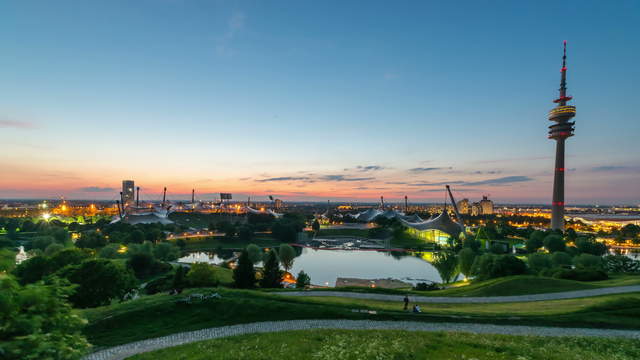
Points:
x=277 y=204
x=128 y=192
x=463 y=206
x=476 y=209
x=486 y=206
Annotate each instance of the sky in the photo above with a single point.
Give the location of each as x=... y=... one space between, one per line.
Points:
x=317 y=100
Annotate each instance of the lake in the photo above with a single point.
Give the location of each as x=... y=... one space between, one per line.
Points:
x=324 y=266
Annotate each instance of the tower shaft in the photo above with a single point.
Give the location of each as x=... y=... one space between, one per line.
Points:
x=557 y=204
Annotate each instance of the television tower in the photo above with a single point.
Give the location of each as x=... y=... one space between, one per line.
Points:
x=560 y=131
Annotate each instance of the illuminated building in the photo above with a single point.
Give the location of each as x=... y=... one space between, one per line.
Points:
x=486 y=206
x=438 y=230
x=560 y=131
x=128 y=192
x=463 y=206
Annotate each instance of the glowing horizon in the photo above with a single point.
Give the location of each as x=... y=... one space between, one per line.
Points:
x=306 y=102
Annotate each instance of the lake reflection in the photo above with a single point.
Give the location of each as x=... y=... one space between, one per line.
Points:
x=324 y=266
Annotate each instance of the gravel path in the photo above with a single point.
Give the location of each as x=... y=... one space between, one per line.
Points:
x=470 y=299
x=124 y=351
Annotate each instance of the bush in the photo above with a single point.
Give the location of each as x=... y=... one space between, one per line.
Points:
x=426 y=286
x=560 y=259
x=581 y=274
x=160 y=284
x=538 y=262
x=202 y=275
x=588 y=261
x=489 y=266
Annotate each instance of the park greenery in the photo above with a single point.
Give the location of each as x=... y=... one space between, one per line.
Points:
x=77 y=270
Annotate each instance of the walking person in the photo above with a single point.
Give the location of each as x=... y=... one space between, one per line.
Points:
x=406 y=303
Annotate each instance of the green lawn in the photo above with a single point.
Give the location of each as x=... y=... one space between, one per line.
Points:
x=394 y=344
x=158 y=315
x=505 y=286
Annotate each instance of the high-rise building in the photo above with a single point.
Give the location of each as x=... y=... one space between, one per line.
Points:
x=463 y=206
x=560 y=131
x=128 y=192
x=486 y=206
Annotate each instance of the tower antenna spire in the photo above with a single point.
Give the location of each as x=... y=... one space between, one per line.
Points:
x=562 y=100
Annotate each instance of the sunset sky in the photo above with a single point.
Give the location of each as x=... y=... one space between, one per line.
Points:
x=317 y=100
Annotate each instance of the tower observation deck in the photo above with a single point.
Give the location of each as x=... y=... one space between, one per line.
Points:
x=560 y=131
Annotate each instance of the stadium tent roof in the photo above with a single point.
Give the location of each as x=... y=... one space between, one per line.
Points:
x=442 y=222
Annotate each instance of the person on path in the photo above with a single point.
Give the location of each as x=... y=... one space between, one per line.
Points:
x=406 y=303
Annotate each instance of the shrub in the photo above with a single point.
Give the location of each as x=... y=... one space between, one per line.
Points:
x=560 y=259
x=538 y=262
x=426 y=286
x=202 y=275
x=489 y=266
x=581 y=274
x=588 y=261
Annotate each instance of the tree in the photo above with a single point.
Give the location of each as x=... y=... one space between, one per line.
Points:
x=137 y=236
x=53 y=248
x=538 y=262
x=201 y=275
x=91 y=240
x=71 y=256
x=181 y=243
x=287 y=255
x=466 y=257
x=560 y=259
x=60 y=235
x=41 y=242
x=110 y=251
x=554 y=243
x=489 y=266
x=178 y=282
x=285 y=230
x=303 y=280
x=588 y=261
x=166 y=251
x=7 y=260
x=33 y=269
x=535 y=241
x=229 y=231
x=315 y=226
x=588 y=245
x=144 y=265
x=255 y=253
x=99 y=281
x=571 y=235
x=245 y=232
x=271 y=273
x=244 y=276
x=38 y=323
x=472 y=244
x=621 y=264
x=446 y=263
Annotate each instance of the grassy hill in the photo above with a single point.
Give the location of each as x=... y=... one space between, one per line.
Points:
x=394 y=344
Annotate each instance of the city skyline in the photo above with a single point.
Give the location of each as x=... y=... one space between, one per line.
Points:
x=309 y=103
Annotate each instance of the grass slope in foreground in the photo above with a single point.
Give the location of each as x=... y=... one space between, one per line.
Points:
x=394 y=344
x=158 y=315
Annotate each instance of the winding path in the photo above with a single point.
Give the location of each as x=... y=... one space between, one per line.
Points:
x=470 y=299
x=126 y=350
